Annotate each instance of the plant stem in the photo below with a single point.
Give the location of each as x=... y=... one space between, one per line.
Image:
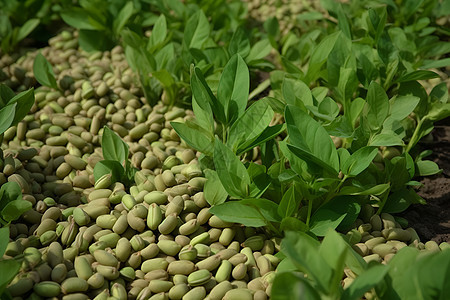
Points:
x=414 y=139
x=383 y=202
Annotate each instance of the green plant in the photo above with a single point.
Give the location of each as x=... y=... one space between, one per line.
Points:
x=13 y=108
x=408 y=274
x=116 y=162
x=43 y=72
x=323 y=263
x=99 y=22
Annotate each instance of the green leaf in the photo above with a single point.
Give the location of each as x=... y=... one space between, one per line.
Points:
x=302 y=250
x=195 y=136
x=233 y=88
x=365 y=281
x=196 y=31
x=377 y=107
x=14 y=209
x=320 y=55
x=95 y=40
x=427 y=168
x=259 y=50
x=43 y=72
x=80 y=19
x=296 y=93
x=333 y=251
x=403 y=106
x=266 y=207
x=290 y=202
x=293 y=285
x=4 y=239
x=7 y=116
x=364 y=190
x=239 y=213
x=27 y=28
x=112 y=167
x=25 y=101
x=122 y=18
x=250 y=125
x=400 y=200
x=9 y=191
x=113 y=147
x=239 y=43
x=293 y=224
x=231 y=171
x=438 y=111
x=6 y=93
x=359 y=161
x=214 y=191
x=204 y=96
x=310 y=141
x=344 y=205
x=324 y=219
x=418 y=75
x=385 y=139
x=10 y=268
x=159 y=32
x=268 y=134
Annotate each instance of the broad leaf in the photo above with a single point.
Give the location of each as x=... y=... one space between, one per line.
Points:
x=377 y=107
x=266 y=207
x=302 y=250
x=233 y=88
x=359 y=161
x=296 y=93
x=196 y=31
x=25 y=101
x=324 y=219
x=310 y=141
x=7 y=116
x=293 y=285
x=365 y=281
x=159 y=32
x=231 y=171
x=4 y=239
x=239 y=213
x=214 y=191
x=122 y=18
x=43 y=72
x=113 y=147
x=112 y=167
x=27 y=28
x=239 y=43
x=250 y=125
x=14 y=209
x=290 y=202
x=195 y=136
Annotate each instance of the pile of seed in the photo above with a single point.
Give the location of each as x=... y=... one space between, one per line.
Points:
x=154 y=240
x=85 y=239
x=285 y=11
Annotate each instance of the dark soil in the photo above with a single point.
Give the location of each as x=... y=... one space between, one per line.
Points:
x=432 y=221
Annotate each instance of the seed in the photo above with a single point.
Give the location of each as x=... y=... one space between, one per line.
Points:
x=199 y=277
x=224 y=271
x=183 y=267
x=178 y=291
x=47 y=289
x=105 y=258
x=240 y=293
x=73 y=285
x=154 y=264
x=209 y=263
x=196 y=293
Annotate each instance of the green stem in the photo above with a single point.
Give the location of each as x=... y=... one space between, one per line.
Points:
x=224 y=134
x=415 y=137
x=383 y=202
x=308 y=217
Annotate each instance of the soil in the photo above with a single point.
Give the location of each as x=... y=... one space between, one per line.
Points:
x=432 y=221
